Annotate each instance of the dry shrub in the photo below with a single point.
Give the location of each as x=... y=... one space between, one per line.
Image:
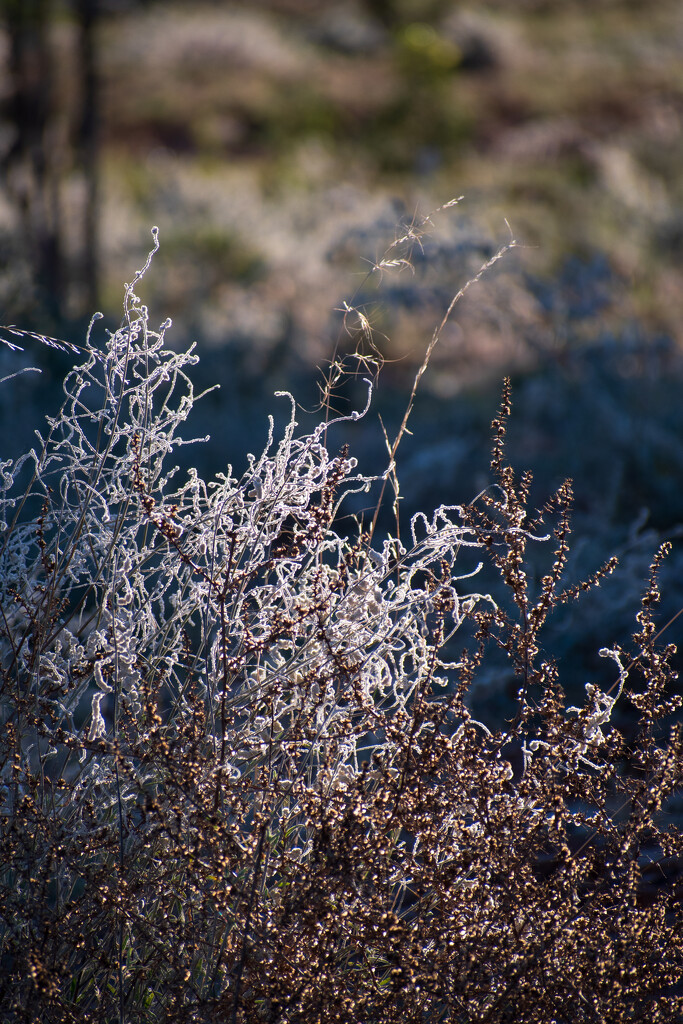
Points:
x=240 y=778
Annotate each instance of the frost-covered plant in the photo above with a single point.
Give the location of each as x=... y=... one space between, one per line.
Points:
x=240 y=778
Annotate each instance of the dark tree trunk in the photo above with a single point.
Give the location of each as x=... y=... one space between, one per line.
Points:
x=87 y=11
x=31 y=163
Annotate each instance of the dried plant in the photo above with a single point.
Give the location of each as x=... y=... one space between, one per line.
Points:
x=241 y=780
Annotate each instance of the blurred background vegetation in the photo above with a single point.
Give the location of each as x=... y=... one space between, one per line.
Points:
x=282 y=145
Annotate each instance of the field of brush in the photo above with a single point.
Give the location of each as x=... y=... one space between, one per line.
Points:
x=304 y=722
